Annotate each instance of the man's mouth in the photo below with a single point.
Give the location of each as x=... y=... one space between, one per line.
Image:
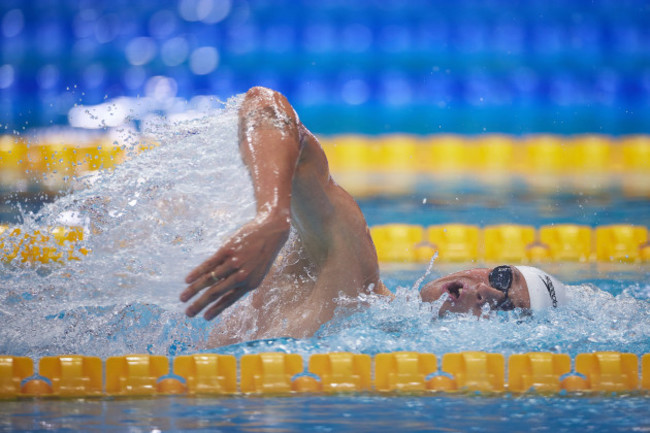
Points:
x=454 y=289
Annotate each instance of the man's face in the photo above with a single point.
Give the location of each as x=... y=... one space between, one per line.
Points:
x=469 y=291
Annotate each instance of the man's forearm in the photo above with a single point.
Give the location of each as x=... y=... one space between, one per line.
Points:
x=270 y=146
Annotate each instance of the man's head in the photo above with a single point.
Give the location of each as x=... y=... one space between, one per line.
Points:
x=503 y=288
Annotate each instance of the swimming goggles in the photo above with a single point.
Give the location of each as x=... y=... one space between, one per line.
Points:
x=501 y=279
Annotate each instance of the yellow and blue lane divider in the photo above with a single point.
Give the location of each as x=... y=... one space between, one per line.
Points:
x=48 y=244
x=512 y=243
x=276 y=373
x=526 y=155
x=70 y=153
x=67 y=154
x=408 y=243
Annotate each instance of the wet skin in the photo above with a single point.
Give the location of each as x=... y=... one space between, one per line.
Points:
x=293 y=188
x=470 y=290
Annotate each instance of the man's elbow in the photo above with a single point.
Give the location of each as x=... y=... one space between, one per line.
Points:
x=258 y=91
x=264 y=95
x=267 y=105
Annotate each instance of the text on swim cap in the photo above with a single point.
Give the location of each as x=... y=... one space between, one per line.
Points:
x=551 y=290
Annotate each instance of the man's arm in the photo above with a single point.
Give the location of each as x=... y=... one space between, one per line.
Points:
x=270 y=146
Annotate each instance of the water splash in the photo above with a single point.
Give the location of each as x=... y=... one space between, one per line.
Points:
x=149 y=222
x=593 y=320
x=163 y=212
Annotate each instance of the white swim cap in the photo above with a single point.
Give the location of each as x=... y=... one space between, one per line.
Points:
x=544 y=289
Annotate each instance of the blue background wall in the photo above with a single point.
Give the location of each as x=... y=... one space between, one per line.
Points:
x=372 y=66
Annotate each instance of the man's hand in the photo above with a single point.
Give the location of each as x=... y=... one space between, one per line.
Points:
x=237 y=268
x=270 y=146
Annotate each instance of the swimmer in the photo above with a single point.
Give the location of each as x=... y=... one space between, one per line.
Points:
x=332 y=253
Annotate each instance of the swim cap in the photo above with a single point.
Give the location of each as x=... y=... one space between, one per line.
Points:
x=544 y=289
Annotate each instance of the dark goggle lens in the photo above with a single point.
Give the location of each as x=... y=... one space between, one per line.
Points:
x=501 y=278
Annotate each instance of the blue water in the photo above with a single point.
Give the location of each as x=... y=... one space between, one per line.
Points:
x=357 y=413
x=433 y=206
x=158 y=214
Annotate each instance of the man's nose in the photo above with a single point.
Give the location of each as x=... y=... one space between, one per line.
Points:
x=485 y=293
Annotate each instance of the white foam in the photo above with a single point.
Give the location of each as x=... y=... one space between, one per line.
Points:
x=151 y=221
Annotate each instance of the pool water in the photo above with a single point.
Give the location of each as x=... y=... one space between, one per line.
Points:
x=158 y=215
x=338 y=413
x=485 y=208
